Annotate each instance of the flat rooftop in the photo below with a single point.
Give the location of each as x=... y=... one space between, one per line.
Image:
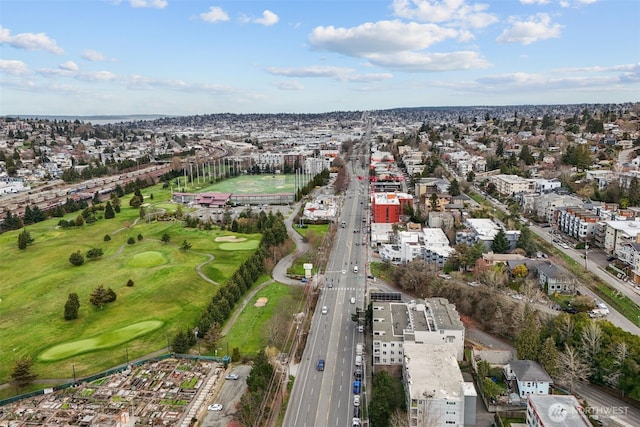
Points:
x=434 y=373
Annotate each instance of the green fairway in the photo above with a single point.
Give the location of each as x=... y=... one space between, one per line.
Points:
x=251 y=330
x=35 y=284
x=105 y=340
x=248 y=245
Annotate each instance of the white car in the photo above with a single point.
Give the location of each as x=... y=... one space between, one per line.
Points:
x=325 y=310
x=353 y=300
x=215 y=407
x=356 y=400
x=344 y=271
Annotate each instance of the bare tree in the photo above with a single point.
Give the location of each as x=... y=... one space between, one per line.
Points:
x=620 y=354
x=566 y=326
x=591 y=340
x=572 y=368
x=399 y=418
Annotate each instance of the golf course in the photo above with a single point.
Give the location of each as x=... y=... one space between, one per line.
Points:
x=167 y=293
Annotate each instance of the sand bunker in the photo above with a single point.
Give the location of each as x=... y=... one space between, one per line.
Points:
x=262 y=301
x=233 y=239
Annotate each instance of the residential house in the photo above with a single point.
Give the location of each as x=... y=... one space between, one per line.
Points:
x=529 y=377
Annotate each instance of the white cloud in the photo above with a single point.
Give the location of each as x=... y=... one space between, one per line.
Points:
x=68 y=66
x=335 y=73
x=215 y=14
x=29 y=41
x=289 y=85
x=13 y=67
x=455 y=12
x=315 y=71
x=379 y=37
x=268 y=18
x=154 y=4
x=93 y=56
x=430 y=62
x=536 y=28
x=534 y=2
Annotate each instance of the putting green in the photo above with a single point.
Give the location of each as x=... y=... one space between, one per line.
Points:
x=146 y=259
x=102 y=341
x=248 y=245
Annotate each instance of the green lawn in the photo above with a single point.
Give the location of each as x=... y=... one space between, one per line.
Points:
x=248 y=184
x=248 y=332
x=167 y=290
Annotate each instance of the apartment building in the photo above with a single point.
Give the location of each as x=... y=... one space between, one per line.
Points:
x=578 y=223
x=555 y=410
x=426 y=322
x=508 y=185
x=388 y=207
x=437 y=249
x=436 y=392
x=618 y=234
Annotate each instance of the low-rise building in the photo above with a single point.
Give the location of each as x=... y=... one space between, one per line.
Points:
x=555 y=410
x=529 y=377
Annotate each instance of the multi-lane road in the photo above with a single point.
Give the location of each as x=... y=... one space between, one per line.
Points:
x=325 y=398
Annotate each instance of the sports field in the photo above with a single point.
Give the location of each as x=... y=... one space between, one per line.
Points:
x=252 y=184
x=168 y=293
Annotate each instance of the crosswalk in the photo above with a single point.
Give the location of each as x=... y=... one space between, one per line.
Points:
x=340 y=288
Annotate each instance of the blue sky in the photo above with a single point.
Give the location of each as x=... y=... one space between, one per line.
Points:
x=182 y=57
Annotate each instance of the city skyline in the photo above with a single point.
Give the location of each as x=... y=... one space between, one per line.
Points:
x=195 y=57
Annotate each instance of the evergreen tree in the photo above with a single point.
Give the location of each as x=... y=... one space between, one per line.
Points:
x=71 y=307
x=527 y=341
x=454 y=188
x=94 y=253
x=549 y=357
x=76 y=258
x=500 y=243
x=108 y=211
x=24 y=240
x=526 y=156
x=21 y=376
x=11 y=222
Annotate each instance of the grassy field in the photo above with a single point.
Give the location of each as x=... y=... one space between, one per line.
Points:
x=249 y=331
x=167 y=294
x=248 y=184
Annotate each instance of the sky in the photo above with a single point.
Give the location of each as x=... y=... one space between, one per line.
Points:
x=187 y=57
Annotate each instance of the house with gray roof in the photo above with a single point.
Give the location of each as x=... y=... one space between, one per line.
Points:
x=554 y=278
x=529 y=376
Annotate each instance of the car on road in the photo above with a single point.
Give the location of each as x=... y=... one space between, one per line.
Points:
x=361 y=327
x=320 y=365
x=356 y=412
x=325 y=310
x=356 y=400
x=356 y=422
x=370 y=276
x=232 y=377
x=353 y=300
x=344 y=271
x=215 y=407
x=358 y=374
x=356 y=387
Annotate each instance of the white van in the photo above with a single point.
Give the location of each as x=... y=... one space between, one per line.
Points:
x=355 y=268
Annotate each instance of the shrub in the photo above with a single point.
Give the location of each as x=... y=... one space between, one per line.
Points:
x=131 y=241
x=130 y=283
x=76 y=258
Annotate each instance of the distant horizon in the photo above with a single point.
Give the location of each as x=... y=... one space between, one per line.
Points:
x=313 y=56
x=157 y=116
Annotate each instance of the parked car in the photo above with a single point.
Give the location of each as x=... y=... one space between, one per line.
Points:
x=232 y=377
x=215 y=407
x=356 y=400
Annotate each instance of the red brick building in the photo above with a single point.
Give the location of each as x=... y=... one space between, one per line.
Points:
x=389 y=207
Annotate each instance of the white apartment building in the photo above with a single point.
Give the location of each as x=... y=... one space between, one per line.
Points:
x=511 y=184
x=435 y=389
x=547 y=204
x=619 y=233
x=436 y=246
x=428 y=322
x=271 y=159
x=555 y=410
x=577 y=222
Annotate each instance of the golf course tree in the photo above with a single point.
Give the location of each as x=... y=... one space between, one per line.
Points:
x=131 y=240
x=22 y=376
x=101 y=296
x=71 y=307
x=76 y=258
x=137 y=199
x=109 y=213
x=165 y=238
x=185 y=246
x=94 y=253
x=24 y=240
x=11 y=222
x=182 y=341
x=107 y=238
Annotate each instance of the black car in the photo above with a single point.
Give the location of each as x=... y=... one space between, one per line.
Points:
x=358 y=374
x=570 y=310
x=356 y=412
